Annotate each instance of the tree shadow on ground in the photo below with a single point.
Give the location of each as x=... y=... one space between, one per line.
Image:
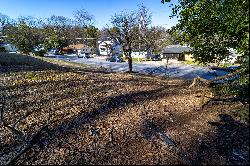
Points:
x=151 y=130
x=109 y=105
x=229 y=146
x=19 y=62
x=112 y=103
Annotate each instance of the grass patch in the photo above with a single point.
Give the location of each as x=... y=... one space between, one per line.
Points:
x=242 y=114
x=137 y=59
x=140 y=59
x=7 y=59
x=190 y=63
x=225 y=65
x=194 y=63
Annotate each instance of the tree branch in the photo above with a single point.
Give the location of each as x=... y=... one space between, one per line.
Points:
x=27 y=145
x=209 y=82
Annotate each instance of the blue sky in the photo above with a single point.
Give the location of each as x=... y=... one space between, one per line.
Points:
x=101 y=9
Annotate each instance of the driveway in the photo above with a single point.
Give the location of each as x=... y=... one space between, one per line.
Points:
x=174 y=68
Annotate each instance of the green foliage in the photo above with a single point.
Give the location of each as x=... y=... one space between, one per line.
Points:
x=190 y=62
x=237 y=88
x=24 y=37
x=120 y=55
x=40 y=53
x=92 y=32
x=211 y=27
x=242 y=113
x=53 y=39
x=224 y=65
x=54 y=42
x=54 y=32
x=140 y=59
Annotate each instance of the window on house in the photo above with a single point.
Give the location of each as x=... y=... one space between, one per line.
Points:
x=102 y=49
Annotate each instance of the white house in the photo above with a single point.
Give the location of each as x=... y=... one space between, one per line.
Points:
x=109 y=46
x=142 y=54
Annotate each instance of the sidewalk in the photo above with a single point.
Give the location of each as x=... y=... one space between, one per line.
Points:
x=100 y=57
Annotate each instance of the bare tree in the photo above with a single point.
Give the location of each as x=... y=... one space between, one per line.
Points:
x=58 y=21
x=144 y=17
x=30 y=21
x=129 y=29
x=157 y=38
x=83 y=18
x=124 y=31
x=4 y=19
x=4 y=22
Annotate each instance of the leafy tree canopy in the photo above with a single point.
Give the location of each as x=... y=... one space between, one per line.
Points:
x=24 y=37
x=211 y=27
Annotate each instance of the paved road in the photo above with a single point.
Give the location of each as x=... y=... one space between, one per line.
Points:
x=150 y=67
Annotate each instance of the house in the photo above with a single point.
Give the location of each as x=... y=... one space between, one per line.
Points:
x=77 y=48
x=9 y=47
x=182 y=53
x=178 y=52
x=108 y=46
x=141 y=54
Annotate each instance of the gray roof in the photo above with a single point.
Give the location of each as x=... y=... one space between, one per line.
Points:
x=175 y=49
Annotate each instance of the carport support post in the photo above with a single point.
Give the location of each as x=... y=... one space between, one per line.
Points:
x=166 y=65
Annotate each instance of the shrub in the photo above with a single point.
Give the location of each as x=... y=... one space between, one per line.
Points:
x=236 y=88
x=40 y=53
x=2 y=49
x=242 y=114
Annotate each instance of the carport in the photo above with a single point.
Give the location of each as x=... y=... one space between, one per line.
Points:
x=175 y=52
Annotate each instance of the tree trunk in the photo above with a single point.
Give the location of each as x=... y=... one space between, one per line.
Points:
x=208 y=82
x=130 y=64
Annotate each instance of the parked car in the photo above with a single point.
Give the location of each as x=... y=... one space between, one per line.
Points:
x=114 y=58
x=156 y=57
x=54 y=51
x=83 y=54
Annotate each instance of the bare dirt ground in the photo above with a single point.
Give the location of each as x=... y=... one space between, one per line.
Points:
x=86 y=116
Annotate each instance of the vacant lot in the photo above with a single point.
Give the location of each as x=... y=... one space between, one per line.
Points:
x=55 y=112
